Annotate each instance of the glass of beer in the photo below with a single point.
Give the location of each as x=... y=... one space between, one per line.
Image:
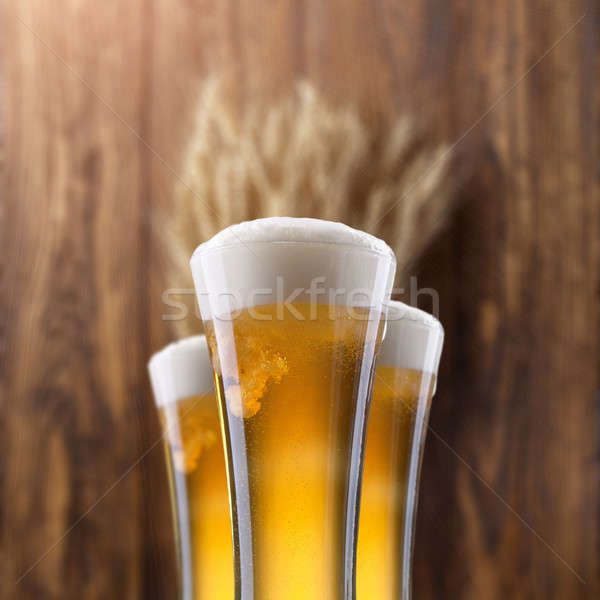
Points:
x=183 y=384
x=405 y=381
x=293 y=312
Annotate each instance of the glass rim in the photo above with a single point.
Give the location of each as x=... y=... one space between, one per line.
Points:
x=205 y=249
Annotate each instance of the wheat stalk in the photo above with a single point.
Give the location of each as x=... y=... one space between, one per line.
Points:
x=303 y=158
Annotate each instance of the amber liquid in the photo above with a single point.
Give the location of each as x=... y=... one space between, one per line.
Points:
x=396 y=432
x=200 y=498
x=294 y=393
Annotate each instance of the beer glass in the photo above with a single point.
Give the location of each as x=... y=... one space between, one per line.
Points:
x=293 y=314
x=405 y=381
x=183 y=384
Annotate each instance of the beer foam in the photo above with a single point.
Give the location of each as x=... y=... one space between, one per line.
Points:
x=268 y=260
x=413 y=339
x=181 y=370
x=292 y=229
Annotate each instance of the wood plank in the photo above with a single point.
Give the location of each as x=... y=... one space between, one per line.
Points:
x=74 y=322
x=519 y=404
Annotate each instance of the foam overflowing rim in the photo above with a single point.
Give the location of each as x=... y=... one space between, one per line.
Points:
x=293 y=230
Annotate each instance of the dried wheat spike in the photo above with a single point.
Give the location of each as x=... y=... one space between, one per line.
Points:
x=304 y=158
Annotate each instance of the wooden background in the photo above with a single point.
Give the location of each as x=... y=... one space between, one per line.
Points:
x=96 y=107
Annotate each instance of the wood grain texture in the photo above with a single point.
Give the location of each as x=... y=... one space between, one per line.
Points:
x=74 y=319
x=98 y=103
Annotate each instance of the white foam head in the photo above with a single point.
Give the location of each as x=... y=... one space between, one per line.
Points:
x=413 y=339
x=266 y=260
x=292 y=229
x=181 y=370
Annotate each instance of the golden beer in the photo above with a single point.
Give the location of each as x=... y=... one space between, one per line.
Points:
x=196 y=469
x=199 y=480
x=395 y=437
x=290 y=390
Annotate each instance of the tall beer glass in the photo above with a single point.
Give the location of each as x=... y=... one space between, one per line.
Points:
x=293 y=314
x=404 y=384
x=183 y=384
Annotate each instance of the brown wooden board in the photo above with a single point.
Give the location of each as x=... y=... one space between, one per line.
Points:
x=97 y=102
